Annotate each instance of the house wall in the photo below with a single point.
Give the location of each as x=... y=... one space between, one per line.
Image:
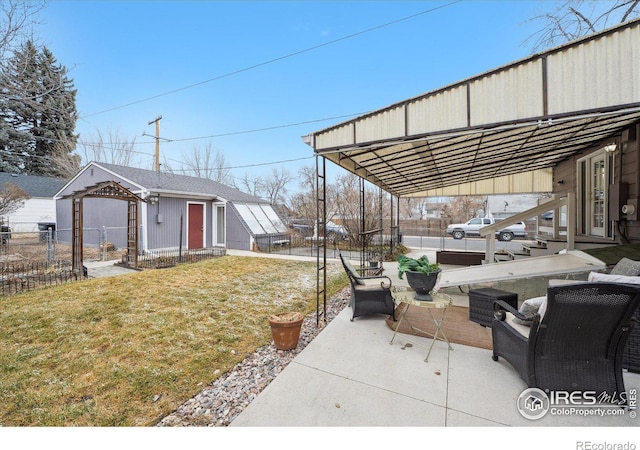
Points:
x=626 y=170
x=160 y=222
x=101 y=217
x=165 y=229
x=163 y=222
x=629 y=169
x=34 y=210
x=238 y=237
x=169 y=216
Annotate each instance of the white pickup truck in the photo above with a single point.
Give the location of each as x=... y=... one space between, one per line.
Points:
x=472 y=228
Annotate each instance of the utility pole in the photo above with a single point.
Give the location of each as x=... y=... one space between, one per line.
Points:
x=157 y=122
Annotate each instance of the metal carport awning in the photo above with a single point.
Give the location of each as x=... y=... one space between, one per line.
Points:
x=481 y=160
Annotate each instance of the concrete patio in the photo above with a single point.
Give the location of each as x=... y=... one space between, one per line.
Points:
x=350 y=376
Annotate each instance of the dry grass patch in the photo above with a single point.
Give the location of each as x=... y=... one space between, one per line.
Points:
x=128 y=350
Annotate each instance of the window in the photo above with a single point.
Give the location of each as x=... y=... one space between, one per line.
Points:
x=220 y=226
x=595 y=174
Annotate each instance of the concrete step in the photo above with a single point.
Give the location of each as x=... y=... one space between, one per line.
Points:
x=500 y=257
x=528 y=247
x=518 y=255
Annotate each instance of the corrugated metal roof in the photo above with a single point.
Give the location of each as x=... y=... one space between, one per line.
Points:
x=501 y=131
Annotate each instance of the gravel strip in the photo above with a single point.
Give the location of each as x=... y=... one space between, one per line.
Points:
x=217 y=405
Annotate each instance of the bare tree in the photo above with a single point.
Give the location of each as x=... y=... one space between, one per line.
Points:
x=112 y=149
x=165 y=165
x=408 y=207
x=67 y=163
x=251 y=184
x=303 y=202
x=16 y=20
x=12 y=198
x=203 y=163
x=347 y=200
x=461 y=209
x=573 y=19
x=414 y=207
x=274 y=187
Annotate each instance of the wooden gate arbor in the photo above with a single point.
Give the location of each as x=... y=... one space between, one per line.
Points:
x=108 y=190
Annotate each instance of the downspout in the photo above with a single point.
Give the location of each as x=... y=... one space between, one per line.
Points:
x=145 y=223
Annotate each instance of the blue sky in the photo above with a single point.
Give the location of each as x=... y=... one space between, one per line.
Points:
x=217 y=71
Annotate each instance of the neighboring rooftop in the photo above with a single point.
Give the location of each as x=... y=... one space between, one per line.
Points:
x=166 y=181
x=34 y=185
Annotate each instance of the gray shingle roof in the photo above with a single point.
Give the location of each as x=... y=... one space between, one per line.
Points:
x=34 y=185
x=151 y=179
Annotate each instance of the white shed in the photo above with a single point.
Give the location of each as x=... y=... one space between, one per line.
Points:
x=39 y=208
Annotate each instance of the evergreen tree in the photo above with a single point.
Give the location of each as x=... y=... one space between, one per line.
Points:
x=37 y=114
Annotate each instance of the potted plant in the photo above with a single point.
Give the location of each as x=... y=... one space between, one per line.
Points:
x=285 y=329
x=421 y=275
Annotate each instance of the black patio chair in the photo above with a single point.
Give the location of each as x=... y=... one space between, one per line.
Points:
x=579 y=342
x=369 y=294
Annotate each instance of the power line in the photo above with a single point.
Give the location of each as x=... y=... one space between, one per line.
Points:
x=268 y=163
x=230 y=133
x=271 y=61
x=240 y=167
x=275 y=127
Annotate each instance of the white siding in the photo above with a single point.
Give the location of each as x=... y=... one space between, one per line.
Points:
x=34 y=210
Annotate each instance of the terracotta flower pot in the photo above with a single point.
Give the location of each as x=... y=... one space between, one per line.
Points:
x=285 y=329
x=422 y=283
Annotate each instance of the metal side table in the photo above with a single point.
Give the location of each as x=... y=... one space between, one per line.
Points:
x=440 y=303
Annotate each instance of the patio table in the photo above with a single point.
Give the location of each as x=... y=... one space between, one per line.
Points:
x=437 y=307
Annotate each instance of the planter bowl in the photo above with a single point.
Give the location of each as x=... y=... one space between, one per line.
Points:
x=285 y=329
x=422 y=283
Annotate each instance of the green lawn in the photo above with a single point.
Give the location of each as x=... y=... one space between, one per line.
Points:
x=128 y=350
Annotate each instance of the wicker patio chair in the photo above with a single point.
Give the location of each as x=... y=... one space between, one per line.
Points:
x=369 y=294
x=579 y=342
x=631 y=360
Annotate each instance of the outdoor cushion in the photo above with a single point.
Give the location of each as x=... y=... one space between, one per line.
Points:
x=354 y=275
x=626 y=267
x=579 y=344
x=529 y=308
x=520 y=328
x=609 y=278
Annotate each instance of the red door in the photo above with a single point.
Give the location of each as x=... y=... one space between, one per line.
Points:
x=196 y=226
